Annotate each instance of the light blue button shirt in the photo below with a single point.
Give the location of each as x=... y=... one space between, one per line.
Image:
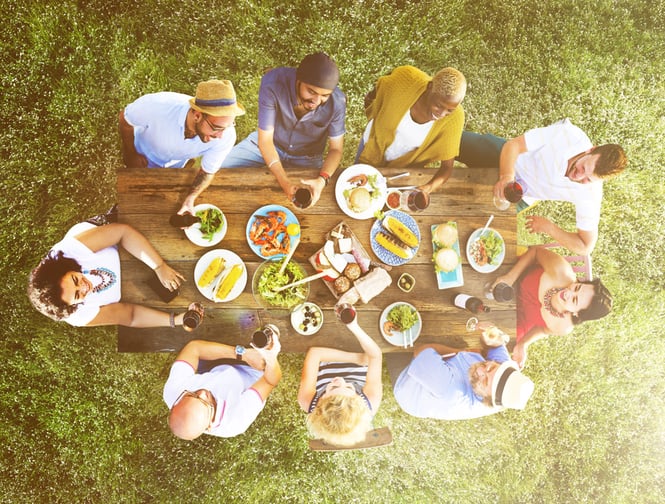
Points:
x=431 y=387
x=159 y=133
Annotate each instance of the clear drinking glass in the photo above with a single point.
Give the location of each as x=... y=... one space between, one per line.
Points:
x=345 y=312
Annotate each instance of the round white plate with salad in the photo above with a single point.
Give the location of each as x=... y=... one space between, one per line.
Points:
x=212 y=228
x=400 y=324
x=485 y=253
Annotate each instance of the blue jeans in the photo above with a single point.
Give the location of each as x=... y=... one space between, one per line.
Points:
x=361 y=147
x=480 y=151
x=246 y=154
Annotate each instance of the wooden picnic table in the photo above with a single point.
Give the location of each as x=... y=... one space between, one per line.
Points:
x=148 y=197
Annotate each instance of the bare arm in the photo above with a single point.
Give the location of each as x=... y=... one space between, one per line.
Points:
x=440 y=177
x=197 y=350
x=270 y=155
x=580 y=242
x=523 y=263
x=556 y=267
x=130 y=156
x=133 y=315
x=272 y=373
x=136 y=244
x=511 y=149
x=373 y=388
x=330 y=164
x=520 y=349
x=200 y=184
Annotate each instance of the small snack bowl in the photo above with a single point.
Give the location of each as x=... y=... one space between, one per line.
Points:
x=393 y=199
x=307 y=318
x=406 y=282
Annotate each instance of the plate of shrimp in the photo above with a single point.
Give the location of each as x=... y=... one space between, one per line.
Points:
x=267 y=234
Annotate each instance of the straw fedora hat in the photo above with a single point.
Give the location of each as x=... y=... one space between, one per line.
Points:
x=216 y=98
x=510 y=388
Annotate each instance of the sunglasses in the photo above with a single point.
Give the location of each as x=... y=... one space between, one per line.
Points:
x=217 y=128
x=211 y=407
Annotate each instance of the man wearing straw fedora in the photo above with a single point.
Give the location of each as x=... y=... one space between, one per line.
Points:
x=443 y=383
x=168 y=129
x=300 y=111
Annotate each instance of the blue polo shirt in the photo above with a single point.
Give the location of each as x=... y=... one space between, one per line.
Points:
x=308 y=135
x=433 y=387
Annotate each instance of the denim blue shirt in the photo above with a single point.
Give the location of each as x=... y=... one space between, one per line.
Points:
x=308 y=135
x=433 y=387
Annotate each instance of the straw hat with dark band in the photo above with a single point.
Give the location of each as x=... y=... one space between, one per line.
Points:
x=510 y=388
x=216 y=98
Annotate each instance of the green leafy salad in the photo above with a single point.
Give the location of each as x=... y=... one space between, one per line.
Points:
x=491 y=246
x=211 y=222
x=270 y=280
x=403 y=316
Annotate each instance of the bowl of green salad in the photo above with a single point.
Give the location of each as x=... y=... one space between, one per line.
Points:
x=267 y=279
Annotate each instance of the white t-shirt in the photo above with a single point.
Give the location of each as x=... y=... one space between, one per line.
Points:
x=159 y=133
x=543 y=167
x=409 y=135
x=238 y=404
x=107 y=258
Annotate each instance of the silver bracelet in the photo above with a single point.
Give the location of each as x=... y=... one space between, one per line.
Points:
x=273 y=162
x=172 y=320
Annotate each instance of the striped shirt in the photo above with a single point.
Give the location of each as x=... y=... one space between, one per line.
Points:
x=352 y=373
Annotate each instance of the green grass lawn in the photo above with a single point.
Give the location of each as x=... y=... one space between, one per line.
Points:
x=82 y=423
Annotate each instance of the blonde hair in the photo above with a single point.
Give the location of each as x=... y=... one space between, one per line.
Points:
x=449 y=83
x=340 y=419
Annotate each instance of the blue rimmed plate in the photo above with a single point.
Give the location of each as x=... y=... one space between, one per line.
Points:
x=270 y=211
x=385 y=255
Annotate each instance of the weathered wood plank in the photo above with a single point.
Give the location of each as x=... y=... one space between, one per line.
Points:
x=148 y=197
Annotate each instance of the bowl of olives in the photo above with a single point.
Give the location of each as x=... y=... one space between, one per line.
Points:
x=406 y=282
x=307 y=318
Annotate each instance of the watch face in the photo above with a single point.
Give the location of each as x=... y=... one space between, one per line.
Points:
x=240 y=350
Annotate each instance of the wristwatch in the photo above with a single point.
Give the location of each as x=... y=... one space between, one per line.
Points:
x=240 y=351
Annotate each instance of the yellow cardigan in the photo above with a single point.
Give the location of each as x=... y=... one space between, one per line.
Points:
x=395 y=95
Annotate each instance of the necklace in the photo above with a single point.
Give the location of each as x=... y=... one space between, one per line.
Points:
x=547 y=301
x=107 y=276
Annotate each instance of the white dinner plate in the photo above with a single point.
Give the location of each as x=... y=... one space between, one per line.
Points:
x=485 y=268
x=264 y=211
x=298 y=316
x=194 y=234
x=385 y=255
x=231 y=258
x=398 y=338
x=378 y=193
